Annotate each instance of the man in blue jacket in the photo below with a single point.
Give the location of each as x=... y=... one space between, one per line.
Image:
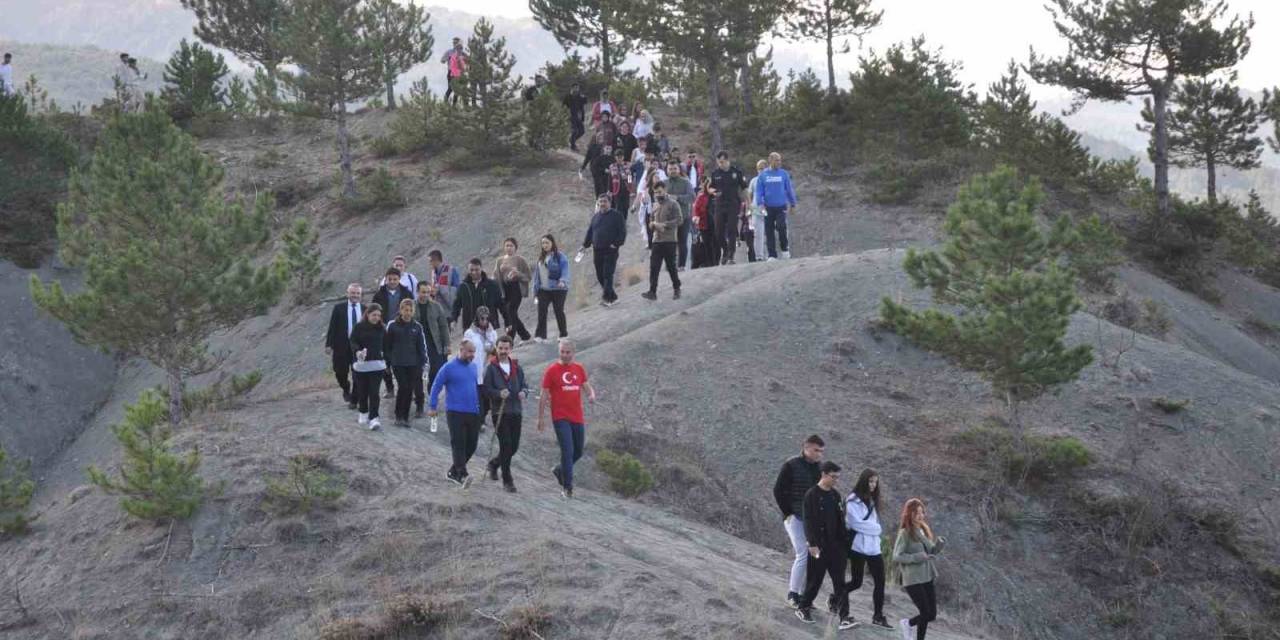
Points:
x=462 y=409
x=774 y=191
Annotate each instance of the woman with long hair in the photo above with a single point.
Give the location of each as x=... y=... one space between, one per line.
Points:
x=366 y=344
x=862 y=516
x=514 y=275
x=551 y=286
x=913 y=554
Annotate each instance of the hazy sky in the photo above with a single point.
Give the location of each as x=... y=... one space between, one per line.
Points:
x=984 y=34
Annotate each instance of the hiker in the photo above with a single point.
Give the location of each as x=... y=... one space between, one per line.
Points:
x=756 y=212
x=664 y=145
x=530 y=93
x=775 y=193
x=7 y=87
x=435 y=323
x=125 y=80
x=505 y=386
x=664 y=222
x=369 y=367
x=694 y=169
x=645 y=200
x=388 y=296
x=625 y=140
x=862 y=515
x=337 y=340
x=620 y=184
x=727 y=183
x=605 y=235
x=644 y=124
x=405 y=346
x=455 y=60
x=700 y=252
x=798 y=475
x=602 y=106
x=827 y=537
x=606 y=131
x=601 y=166
x=484 y=337
x=562 y=388
x=681 y=189
x=445 y=277
x=407 y=279
x=457 y=378
x=514 y=274
x=551 y=287
x=576 y=103
x=476 y=291
x=913 y=553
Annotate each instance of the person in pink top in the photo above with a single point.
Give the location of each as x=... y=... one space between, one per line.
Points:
x=456 y=59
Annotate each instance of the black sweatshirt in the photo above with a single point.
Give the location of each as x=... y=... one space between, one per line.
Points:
x=823 y=517
x=795 y=478
x=608 y=230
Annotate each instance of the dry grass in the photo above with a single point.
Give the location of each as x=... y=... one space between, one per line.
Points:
x=402 y=616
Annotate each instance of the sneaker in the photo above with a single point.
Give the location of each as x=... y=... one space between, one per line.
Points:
x=805 y=615
x=374 y=425
x=404 y=423
x=771 y=259
x=539 y=340
x=466 y=481
x=567 y=494
x=786 y=255
x=793 y=600
x=880 y=621
x=363 y=419
x=649 y=295
x=509 y=488
x=555 y=471
x=493 y=473
x=675 y=295
x=905 y=626
x=848 y=623
x=453 y=477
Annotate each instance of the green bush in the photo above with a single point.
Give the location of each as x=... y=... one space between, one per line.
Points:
x=268 y=159
x=546 y=127
x=310 y=481
x=1036 y=458
x=1180 y=244
x=380 y=192
x=1095 y=253
x=16 y=489
x=299 y=263
x=627 y=475
x=894 y=182
x=36 y=159
x=383 y=147
x=421 y=122
x=218 y=395
x=1170 y=406
x=193 y=82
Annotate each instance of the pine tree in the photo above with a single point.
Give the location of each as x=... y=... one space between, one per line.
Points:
x=1006 y=122
x=1004 y=274
x=829 y=20
x=708 y=32
x=331 y=43
x=1211 y=126
x=251 y=29
x=300 y=261
x=155 y=483
x=1123 y=48
x=16 y=489
x=194 y=76
x=585 y=23
x=545 y=126
x=491 y=120
x=165 y=256
x=401 y=38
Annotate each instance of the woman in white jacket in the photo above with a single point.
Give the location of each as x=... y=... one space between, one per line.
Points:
x=862 y=515
x=756 y=208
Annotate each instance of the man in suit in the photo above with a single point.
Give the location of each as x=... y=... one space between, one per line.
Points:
x=389 y=296
x=337 y=340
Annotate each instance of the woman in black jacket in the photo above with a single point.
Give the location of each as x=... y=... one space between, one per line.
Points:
x=366 y=345
x=405 y=346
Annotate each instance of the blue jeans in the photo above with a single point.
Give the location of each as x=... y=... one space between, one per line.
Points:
x=572 y=437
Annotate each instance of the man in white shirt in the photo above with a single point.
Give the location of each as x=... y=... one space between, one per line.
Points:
x=337 y=342
x=6 y=76
x=407 y=279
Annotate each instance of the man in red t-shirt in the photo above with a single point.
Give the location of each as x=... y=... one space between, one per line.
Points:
x=562 y=387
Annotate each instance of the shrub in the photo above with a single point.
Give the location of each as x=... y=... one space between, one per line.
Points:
x=16 y=489
x=193 y=79
x=528 y=623
x=545 y=125
x=627 y=475
x=404 y=616
x=384 y=147
x=894 y=182
x=37 y=158
x=421 y=122
x=300 y=261
x=1170 y=406
x=380 y=192
x=155 y=483
x=1095 y=253
x=268 y=159
x=1036 y=458
x=1179 y=246
x=217 y=395
x=310 y=481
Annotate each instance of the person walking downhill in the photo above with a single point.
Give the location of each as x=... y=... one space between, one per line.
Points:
x=681 y=189
x=605 y=235
x=457 y=379
x=562 y=387
x=727 y=183
x=602 y=106
x=778 y=197
x=551 y=287
x=435 y=323
x=701 y=252
x=619 y=183
x=476 y=291
x=366 y=344
x=576 y=103
x=337 y=340
x=505 y=386
x=514 y=274
x=455 y=60
x=485 y=338
x=388 y=296
x=827 y=537
x=445 y=277
x=862 y=515
x=407 y=279
x=913 y=553
x=756 y=213
x=664 y=223
x=797 y=476
x=405 y=346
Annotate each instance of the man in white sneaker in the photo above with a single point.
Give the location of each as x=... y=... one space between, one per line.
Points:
x=775 y=192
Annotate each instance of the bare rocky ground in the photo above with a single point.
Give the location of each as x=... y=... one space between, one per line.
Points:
x=712 y=392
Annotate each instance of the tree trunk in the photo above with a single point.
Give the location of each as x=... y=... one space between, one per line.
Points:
x=175 y=396
x=606 y=51
x=1212 y=168
x=344 y=154
x=831 y=55
x=744 y=79
x=391 y=93
x=1160 y=144
x=713 y=104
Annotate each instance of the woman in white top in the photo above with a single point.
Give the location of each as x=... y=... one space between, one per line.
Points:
x=756 y=209
x=644 y=125
x=862 y=516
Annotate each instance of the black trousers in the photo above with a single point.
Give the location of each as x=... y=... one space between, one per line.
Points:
x=749 y=239
x=876 y=565
x=575 y=130
x=449 y=91
x=367 y=384
x=775 y=223
x=512 y=296
x=508 y=443
x=342 y=369
x=682 y=239
x=726 y=224
x=830 y=561
x=390 y=380
x=410 y=380
x=660 y=253
x=606 y=265
x=464 y=437
x=926 y=600
x=554 y=298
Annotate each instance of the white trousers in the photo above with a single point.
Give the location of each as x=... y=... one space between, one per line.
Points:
x=795 y=531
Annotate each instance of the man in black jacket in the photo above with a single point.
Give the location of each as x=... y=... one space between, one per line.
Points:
x=607 y=232
x=476 y=291
x=389 y=296
x=505 y=386
x=576 y=103
x=727 y=183
x=828 y=540
x=405 y=348
x=337 y=340
x=798 y=475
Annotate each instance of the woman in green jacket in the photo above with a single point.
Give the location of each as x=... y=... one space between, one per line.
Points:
x=913 y=554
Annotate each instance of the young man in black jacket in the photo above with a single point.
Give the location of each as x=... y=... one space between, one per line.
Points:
x=405 y=347
x=389 y=296
x=476 y=291
x=607 y=232
x=576 y=103
x=828 y=539
x=727 y=183
x=504 y=384
x=337 y=340
x=798 y=475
